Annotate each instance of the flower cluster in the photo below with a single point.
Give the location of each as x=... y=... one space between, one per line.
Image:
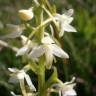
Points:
x=41 y=44
x=65 y=89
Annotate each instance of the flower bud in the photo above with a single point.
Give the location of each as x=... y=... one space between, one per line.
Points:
x=26 y=14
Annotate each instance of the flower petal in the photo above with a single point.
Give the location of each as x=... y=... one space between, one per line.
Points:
x=68 y=20
x=22 y=50
x=69 y=93
x=29 y=82
x=57 y=17
x=47 y=40
x=20 y=74
x=24 y=39
x=13 y=94
x=60 y=93
x=13 y=80
x=15 y=31
x=61 y=32
x=13 y=70
x=57 y=51
x=69 y=28
x=69 y=12
x=37 y=52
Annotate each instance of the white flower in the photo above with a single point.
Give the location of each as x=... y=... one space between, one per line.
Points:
x=21 y=75
x=13 y=31
x=26 y=48
x=64 y=21
x=50 y=49
x=26 y=14
x=66 y=89
x=23 y=50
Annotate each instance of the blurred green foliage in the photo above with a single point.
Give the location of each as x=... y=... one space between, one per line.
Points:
x=81 y=46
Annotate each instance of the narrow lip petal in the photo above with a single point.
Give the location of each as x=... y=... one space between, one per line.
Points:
x=57 y=51
x=36 y=52
x=29 y=82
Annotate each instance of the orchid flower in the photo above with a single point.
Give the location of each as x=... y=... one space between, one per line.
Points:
x=21 y=75
x=26 y=48
x=64 y=21
x=66 y=89
x=50 y=49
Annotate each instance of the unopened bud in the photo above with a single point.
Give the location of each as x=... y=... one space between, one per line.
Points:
x=26 y=14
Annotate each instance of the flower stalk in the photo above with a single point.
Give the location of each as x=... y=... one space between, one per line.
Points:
x=40 y=49
x=41 y=78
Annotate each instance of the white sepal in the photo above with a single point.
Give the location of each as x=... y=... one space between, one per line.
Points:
x=37 y=51
x=57 y=51
x=23 y=50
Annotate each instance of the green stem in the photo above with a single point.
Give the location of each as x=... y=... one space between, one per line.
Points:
x=51 y=16
x=41 y=25
x=41 y=78
x=41 y=65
